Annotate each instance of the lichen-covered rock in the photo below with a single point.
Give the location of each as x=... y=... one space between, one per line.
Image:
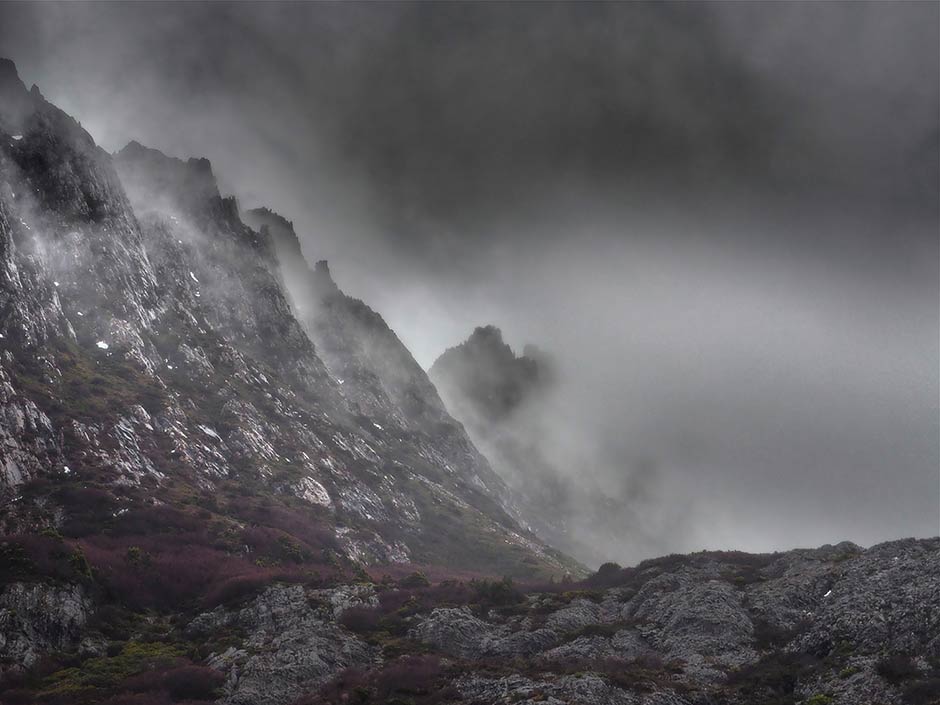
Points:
x=583 y=690
x=885 y=599
x=458 y=632
x=292 y=646
x=37 y=618
x=625 y=645
x=695 y=618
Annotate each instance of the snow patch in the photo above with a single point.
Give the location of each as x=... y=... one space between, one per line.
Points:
x=103 y=345
x=193 y=276
x=209 y=432
x=17 y=137
x=66 y=469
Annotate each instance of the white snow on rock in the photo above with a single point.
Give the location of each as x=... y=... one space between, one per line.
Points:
x=193 y=277
x=66 y=469
x=17 y=137
x=79 y=313
x=376 y=425
x=209 y=432
x=55 y=283
x=101 y=344
x=315 y=493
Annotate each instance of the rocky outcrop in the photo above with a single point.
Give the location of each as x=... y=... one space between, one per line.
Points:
x=36 y=619
x=715 y=626
x=680 y=630
x=293 y=644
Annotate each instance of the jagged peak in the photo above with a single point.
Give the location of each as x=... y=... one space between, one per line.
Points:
x=281 y=233
x=9 y=76
x=267 y=216
x=190 y=183
x=15 y=101
x=324 y=278
x=488 y=333
x=487 y=368
x=134 y=150
x=490 y=337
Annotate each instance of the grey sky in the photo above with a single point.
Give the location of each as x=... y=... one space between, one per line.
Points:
x=723 y=218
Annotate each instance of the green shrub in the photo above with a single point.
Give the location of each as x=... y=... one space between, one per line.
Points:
x=415 y=580
x=820 y=700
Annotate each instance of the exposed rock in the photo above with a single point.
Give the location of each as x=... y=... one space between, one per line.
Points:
x=458 y=632
x=35 y=619
x=292 y=645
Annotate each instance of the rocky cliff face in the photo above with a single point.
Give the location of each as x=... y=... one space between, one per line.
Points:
x=149 y=345
x=379 y=377
x=164 y=410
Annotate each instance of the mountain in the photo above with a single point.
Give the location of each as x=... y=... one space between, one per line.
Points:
x=224 y=480
x=160 y=394
x=510 y=406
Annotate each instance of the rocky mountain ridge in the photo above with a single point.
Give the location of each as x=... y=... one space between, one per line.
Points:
x=134 y=278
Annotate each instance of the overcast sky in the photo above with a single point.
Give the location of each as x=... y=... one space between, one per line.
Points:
x=722 y=219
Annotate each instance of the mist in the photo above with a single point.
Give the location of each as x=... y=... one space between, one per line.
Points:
x=721 y=220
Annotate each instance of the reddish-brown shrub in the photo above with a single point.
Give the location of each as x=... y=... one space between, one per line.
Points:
x=361 y=620
x=32 y=556
x=139 y=699
x=304 y=525
x=897 y=668
x=412 y=679
x=86 y=509
x=193 y=683
x=414 y=675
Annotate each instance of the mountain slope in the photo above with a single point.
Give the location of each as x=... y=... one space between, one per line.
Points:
x=379 y=375
x=159 y=394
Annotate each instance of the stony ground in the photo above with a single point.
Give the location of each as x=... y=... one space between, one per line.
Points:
x=837 y=625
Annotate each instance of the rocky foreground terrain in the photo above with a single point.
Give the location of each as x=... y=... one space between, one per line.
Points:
x=224 y=480
x=834 y=625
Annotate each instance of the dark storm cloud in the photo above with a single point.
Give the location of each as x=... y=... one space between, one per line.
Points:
x=722 y=218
